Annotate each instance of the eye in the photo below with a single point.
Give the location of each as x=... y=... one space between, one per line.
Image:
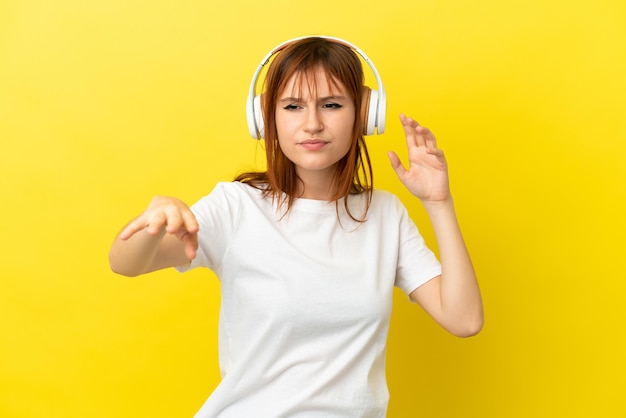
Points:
x=332 y=106
x=291 y=107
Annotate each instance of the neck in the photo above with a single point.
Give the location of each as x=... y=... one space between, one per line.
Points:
x=316 y=185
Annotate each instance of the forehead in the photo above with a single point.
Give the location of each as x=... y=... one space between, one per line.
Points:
x=317 y=82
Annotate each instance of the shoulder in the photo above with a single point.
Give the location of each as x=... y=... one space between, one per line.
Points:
x=382 y=199
x=384 y=195
x=230 y=190
x=234 y=187
x=230 y=196
x=383 y=206
x=387 y=208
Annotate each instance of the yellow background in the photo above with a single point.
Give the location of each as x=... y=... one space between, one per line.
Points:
x=105 y=103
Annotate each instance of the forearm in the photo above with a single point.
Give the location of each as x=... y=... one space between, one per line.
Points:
x=135 y=255
x=461 y=304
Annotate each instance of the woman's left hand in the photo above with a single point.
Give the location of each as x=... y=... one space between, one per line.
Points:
x=427 y=175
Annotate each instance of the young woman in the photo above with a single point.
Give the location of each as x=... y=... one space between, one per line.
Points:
x=308 y=252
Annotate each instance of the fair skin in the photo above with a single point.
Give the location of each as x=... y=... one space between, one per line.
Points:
x=315 y=132
x=453 y=298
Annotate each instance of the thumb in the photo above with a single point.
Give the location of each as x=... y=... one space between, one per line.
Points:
x=396 y=164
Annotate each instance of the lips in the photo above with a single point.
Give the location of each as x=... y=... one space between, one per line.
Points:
x=313 y=144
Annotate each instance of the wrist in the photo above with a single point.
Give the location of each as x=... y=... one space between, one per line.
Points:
x=438 y=206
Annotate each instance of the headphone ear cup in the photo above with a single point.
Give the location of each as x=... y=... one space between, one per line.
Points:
x=365 y=109
x=381 y=111
x=258 y=118
x=369 y=109
x=253 y=110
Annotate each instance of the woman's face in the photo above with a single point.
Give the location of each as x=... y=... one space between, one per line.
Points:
x=314 y=121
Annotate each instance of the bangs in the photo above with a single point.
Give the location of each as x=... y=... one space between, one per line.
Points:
x=305 y=62
x=306 y=80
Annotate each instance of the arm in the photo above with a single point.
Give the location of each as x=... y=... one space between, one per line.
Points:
x=164 y=235
x=452 y=299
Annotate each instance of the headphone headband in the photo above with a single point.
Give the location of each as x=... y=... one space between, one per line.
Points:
x=377 y=100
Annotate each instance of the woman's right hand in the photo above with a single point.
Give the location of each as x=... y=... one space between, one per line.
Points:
x=167 y=215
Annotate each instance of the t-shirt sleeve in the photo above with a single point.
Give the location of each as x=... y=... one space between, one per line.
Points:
x=216 y=214
x=417 y=264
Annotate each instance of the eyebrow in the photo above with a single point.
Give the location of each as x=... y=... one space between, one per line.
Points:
x=320 y=99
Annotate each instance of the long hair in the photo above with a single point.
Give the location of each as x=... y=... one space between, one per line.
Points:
x=353 y=174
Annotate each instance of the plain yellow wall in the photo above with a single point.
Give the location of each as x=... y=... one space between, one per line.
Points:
x=105 y=103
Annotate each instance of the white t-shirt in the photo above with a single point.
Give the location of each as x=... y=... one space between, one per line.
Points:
x=305 y=301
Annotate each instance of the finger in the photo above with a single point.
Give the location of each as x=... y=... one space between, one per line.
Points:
x=189 y=221
x=155 y=222
x=133 y=227
x=437 y=152
x=413 y=132
x=396 y=164
x=408 y=121
x=409 y=131
x=191 y=245
x=174 y=221
x=430 y=141
x=424 y=137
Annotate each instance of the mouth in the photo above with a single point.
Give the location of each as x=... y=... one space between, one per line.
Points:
x=313 y=144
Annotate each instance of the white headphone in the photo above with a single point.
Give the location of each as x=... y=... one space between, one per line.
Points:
x=376 y=109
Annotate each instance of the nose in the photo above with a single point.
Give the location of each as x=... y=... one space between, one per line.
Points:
x=313 y=123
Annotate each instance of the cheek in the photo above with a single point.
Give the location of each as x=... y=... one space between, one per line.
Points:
x=283 y=125
x=346 y=130
x=349 y=121
x=282 y=138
